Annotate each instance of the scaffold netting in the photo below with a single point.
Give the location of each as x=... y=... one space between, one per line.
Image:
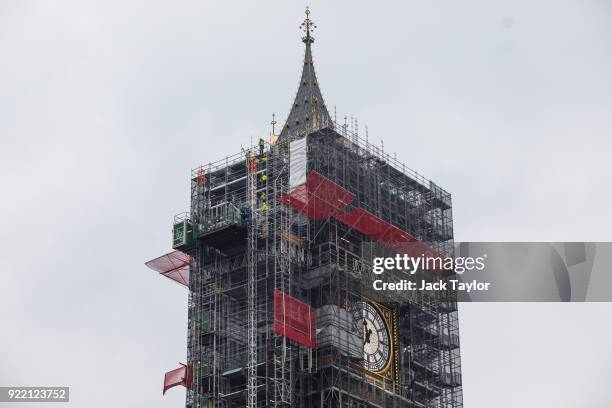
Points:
x=294 y=319
x=173 y=265
x=179 y=376
x=318 y=197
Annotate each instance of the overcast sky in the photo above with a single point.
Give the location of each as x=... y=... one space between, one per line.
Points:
x=106 y=106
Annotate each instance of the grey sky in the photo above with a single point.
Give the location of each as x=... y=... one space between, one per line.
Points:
x=106 y=106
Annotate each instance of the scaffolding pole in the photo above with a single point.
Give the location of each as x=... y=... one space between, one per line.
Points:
x=251 y=163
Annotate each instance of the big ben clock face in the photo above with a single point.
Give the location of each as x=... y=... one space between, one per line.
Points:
x=368 y=321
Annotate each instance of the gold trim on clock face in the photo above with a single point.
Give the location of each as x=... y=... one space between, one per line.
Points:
x=369 y=322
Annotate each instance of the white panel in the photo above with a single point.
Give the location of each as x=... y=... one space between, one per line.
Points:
x=297 y=163
x=335 y=328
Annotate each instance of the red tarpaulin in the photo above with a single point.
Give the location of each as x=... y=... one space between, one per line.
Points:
x=174 y=265
x=318 y=197
x=294 y=319
x=180 y=376
x=398 y=240
x=372 y=226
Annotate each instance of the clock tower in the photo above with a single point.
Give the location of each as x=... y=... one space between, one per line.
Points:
x=275 y=251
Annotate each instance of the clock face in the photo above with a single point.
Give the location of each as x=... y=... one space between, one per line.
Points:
x=370 y=324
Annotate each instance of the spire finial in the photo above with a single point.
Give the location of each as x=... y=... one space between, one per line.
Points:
x=273 y=123
x=307 y=26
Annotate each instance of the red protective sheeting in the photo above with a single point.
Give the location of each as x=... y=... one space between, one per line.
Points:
x=398 y=240
x=318 y=197
x=173 y=265
x=179 y=376
x=295 y=320
x=372 y=226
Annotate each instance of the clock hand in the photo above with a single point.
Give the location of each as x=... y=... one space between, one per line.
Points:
x=366 y=331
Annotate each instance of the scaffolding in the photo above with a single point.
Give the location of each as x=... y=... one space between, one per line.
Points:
x=303 y=245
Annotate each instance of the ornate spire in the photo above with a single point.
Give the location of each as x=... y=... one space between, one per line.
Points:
x=308 y=112
x=306 y=26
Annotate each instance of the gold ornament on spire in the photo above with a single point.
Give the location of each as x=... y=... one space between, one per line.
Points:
x=307 y=26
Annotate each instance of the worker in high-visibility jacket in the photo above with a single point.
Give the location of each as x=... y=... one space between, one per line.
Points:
x=262 y=144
